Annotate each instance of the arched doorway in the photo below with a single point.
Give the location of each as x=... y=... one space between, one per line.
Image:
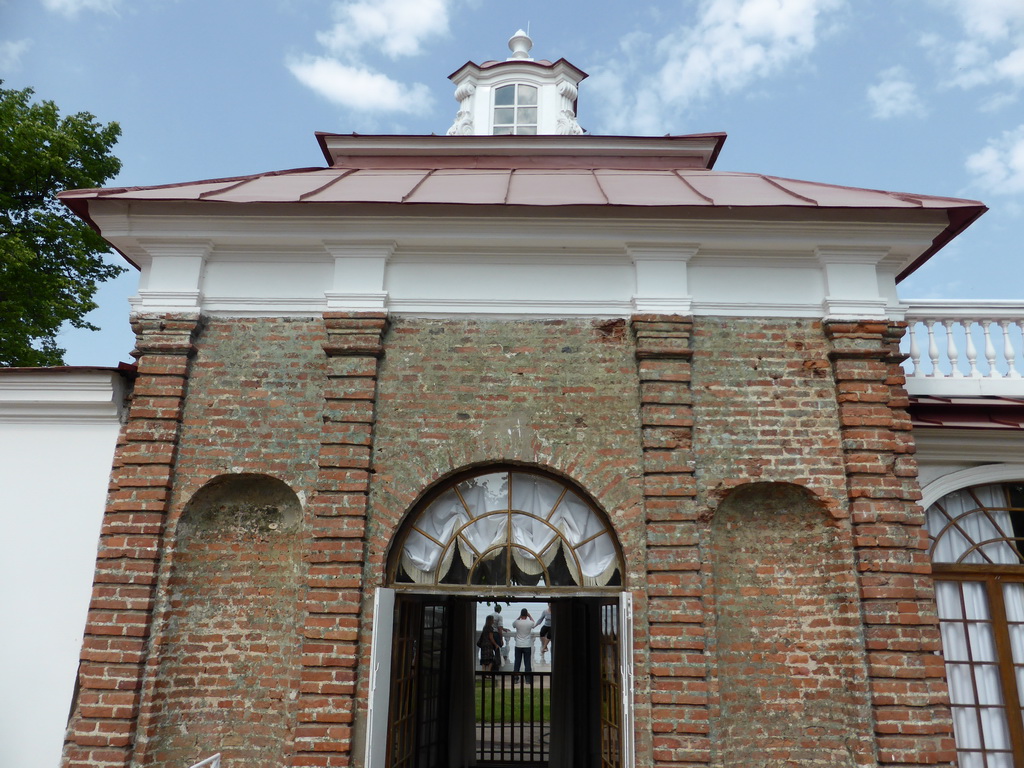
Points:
x=500 y=534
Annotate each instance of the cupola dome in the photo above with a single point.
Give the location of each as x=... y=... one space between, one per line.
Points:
x=520 y=95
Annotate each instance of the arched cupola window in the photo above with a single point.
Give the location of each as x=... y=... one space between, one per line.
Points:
x=515 y=109
x=978 y=561
x=507 y=528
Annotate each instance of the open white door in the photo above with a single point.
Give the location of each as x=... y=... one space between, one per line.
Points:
x=380 y=678
x=626 y=673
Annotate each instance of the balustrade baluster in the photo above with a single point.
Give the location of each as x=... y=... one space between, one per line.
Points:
x=933 y=349
x=915 y=349
x=1008 y=351
x=952 y=353
x=990 y=350
x=971 y=350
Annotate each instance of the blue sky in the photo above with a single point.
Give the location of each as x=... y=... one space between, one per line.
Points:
x=923 y=96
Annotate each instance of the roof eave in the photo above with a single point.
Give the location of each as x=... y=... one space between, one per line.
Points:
x=960 y=218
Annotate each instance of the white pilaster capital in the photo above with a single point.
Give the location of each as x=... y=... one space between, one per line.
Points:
x=359 y=271
x=662 y=285
x=681 y=252
x=177 y=249
x=844 y=254
x=360 y=249
x=173 y=280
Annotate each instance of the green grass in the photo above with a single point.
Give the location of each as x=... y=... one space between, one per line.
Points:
x=521 y=705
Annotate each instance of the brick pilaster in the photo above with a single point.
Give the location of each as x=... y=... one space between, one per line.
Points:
x=675 y=609
x=912 y=722
x=336 y=548
x=102 y=729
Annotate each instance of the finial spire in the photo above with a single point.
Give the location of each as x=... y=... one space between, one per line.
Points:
x=520 y=45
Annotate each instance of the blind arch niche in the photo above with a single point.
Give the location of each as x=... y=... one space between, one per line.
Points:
x=506 y=527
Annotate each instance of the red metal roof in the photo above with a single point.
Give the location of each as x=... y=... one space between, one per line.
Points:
x=525 y=186
x=670 y=172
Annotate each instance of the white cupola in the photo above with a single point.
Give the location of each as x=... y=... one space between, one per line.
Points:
x=519 y=95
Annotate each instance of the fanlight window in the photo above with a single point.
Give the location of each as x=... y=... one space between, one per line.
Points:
x=978 y=526
x=515 y=109
x=509 y=528
x=978 y=540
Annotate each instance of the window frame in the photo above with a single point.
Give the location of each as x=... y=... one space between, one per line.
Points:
x=394 y=558
x=515 y=106
x=992 y=576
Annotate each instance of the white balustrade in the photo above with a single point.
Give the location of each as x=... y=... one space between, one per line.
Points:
x=943 y=342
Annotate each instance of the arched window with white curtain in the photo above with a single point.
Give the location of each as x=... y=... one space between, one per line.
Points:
x=977 y=544
x=508 y=528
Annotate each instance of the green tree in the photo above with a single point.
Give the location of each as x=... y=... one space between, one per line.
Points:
x=50 y=260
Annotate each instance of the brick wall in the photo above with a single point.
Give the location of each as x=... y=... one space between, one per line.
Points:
x=758 y=475
x=908 y=688
x=255 y=407
x=765 y=413
x=101 y=731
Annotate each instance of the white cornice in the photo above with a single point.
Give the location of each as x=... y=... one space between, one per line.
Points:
x=268 y=228
x=957 y=446
x=61 y=396
x=236 y=264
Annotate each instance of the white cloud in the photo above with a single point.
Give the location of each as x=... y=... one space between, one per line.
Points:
x=396 y=27
x=894 y=96
x=358 y=88
x=11 y=52
x=991 y=51
x=733 y=44
x=999 y=167
x=71 y=8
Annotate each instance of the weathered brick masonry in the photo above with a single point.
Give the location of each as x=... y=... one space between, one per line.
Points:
x=757 y=472
x=908 y=687
x=102 y=729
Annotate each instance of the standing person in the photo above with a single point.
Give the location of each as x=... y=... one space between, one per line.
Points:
x=490 y=650
x=524 y=641
x=499 y=628
x=546 y=632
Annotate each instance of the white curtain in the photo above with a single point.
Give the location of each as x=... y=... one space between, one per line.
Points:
x=965 y=533
x=961 y=529
x=532 y=517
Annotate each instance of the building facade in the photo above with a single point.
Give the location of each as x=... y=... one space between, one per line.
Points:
x=521 y=362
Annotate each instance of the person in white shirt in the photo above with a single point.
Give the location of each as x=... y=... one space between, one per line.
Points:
x=524 y=641
x=499 y=627
x=544 y=622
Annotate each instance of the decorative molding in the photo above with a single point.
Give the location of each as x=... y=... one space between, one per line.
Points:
x=165 y=301
x=337 y=301
x=63 y=397
x=964 y=478
x=463 y=125
x=665 y=306
x=359 y=273
x=662 y=285
x=833 y=308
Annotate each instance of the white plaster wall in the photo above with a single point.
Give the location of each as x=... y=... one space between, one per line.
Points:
x=53 y=482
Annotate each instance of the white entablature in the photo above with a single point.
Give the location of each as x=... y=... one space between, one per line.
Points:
x=517 y=96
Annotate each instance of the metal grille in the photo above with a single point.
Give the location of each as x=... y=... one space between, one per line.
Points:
x=513 y=718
